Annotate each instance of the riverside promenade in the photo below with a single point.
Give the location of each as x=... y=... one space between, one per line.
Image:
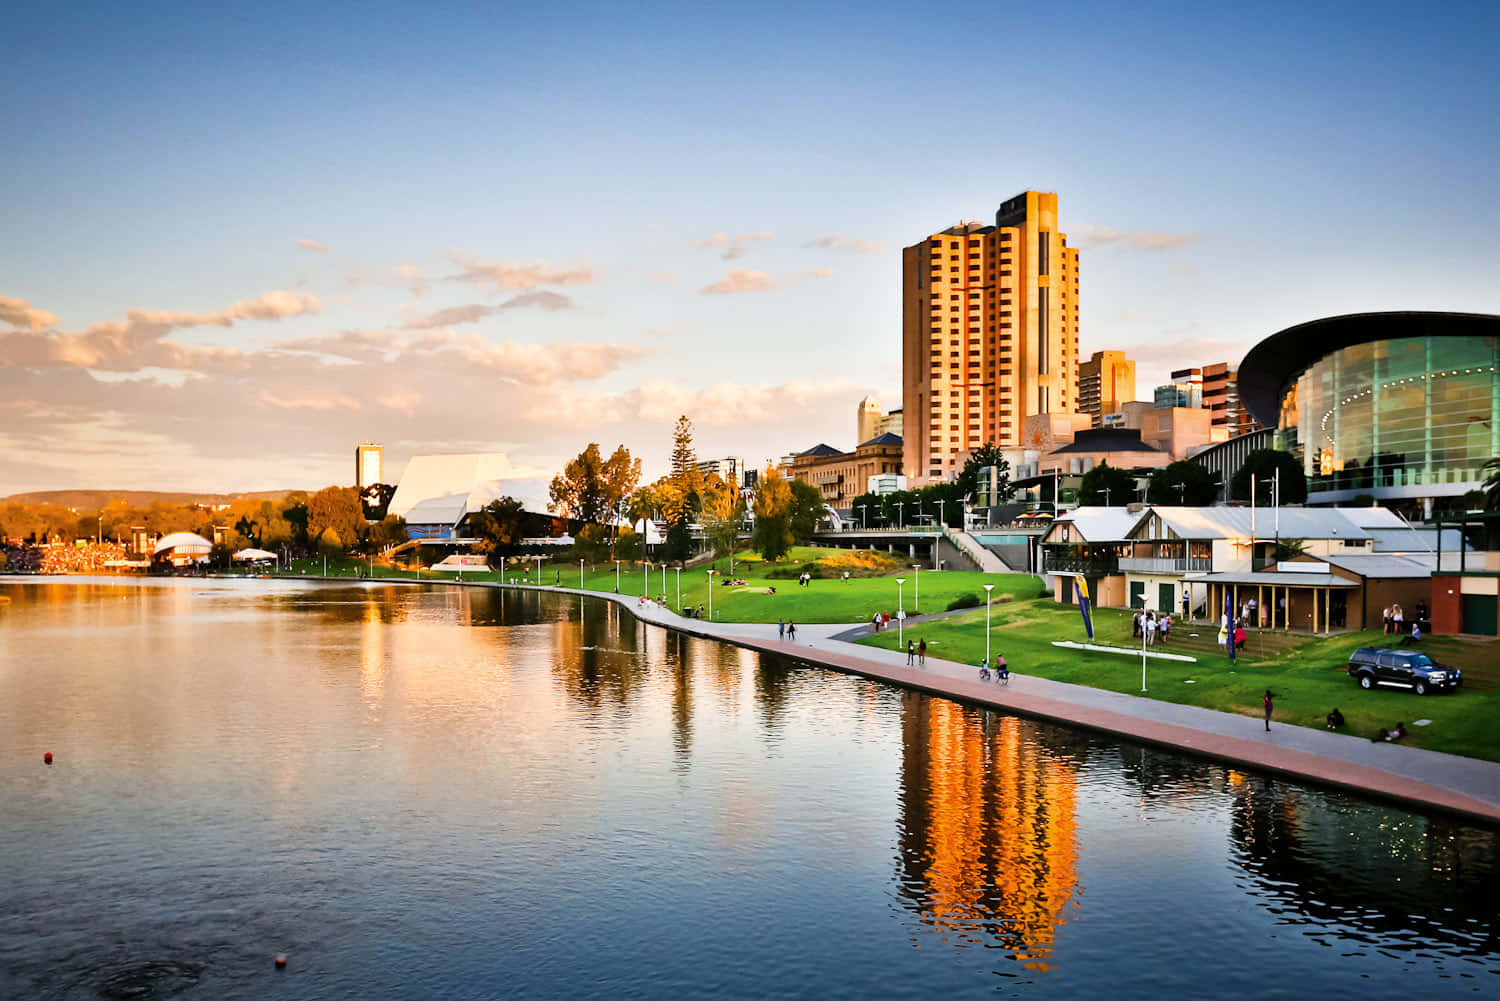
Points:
x=1407 y=775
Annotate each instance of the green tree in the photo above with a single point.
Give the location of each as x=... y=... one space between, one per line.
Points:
x=1263 y=464
x=389 y=531
x=723 y=513
x=773 y=513
x=806 y=511
x=1183 y=483
x=629 y=546
x=499 y=527
x=1107 y=485
x=1290 y=548
x=869 y=517
x=593 y=489
x=967 y=481
x=337 y=510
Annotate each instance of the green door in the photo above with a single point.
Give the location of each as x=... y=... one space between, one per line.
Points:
x=1164 y=595
x=1479 y=614
x=1137 y=594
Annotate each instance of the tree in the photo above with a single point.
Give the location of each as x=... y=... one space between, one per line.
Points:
x=773 y=510
x=377 y=500
x=388 y=531
x=1290 y=548
x=684 y=457
x=1107 y=485
x=591 y=488
x=988 y=454
x=806 y=511
x=336 y=510
x=1183 y=483
x=499 y=527
x=723 y=513
x=629 y=546
x=871 y=513
x=1263 y=464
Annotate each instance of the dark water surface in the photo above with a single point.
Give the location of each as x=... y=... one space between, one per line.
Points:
x=440 y=793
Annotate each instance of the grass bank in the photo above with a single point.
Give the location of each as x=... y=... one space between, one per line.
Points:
x=828 y=598
x=1307 y=674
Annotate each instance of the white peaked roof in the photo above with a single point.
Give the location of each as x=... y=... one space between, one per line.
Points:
x=188 y=542
x=1101 y=524
x=1234 y=522
x=254 y=554
x=441 y=489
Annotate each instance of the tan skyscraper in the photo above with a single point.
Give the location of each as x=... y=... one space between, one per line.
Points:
x=867 y=420
x=989 y=333
x=1105 y=382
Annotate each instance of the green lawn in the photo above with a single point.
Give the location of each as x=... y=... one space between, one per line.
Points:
x=821 y=601
x=1308 y=675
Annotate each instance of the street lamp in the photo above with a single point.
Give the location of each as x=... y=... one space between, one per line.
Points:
x=580 y=575
x=987 y=589
x=646 y=581
x=900 y=613
x=941 y=521
x=711 y=594
x=917 y=601
x=900 y=514
x=617 y=576
x=664 y=583
x=861 y=508
x=679 y=588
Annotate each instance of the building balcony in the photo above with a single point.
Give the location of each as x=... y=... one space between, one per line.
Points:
x=1166 y=564
x=1089 y=566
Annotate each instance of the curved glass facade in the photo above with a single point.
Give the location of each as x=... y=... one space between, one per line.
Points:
x=1408 y=417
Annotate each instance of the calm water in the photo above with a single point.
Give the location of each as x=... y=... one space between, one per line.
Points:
x=450 y=793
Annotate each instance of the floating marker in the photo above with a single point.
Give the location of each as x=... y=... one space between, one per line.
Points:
x=47 y=758
x=281 y=961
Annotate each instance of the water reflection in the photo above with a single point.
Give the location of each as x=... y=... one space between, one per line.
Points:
x=988 y=829
x=1339 y=868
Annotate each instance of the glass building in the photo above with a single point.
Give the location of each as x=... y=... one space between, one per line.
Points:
x=1400 y=406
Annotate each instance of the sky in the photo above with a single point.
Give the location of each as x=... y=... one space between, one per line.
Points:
x=236 y=243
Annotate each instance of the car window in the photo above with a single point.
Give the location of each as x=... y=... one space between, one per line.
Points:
x=1421 y=660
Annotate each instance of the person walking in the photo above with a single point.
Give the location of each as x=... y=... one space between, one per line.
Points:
x=911 y=653
x=781 y=629
x=1164 y=626
x=922 y=653
x=1268 y=705
x=791 y=631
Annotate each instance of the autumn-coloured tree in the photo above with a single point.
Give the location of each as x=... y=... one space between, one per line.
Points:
x=773 y=515
x=593 y=489
x=336 y=512
x=723 y=513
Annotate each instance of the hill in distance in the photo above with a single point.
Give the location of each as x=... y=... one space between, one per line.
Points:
x=95 y=500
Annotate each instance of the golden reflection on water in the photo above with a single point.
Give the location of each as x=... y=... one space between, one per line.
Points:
x=989 y=846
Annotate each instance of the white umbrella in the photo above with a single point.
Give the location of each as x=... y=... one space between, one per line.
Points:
x=254 y=554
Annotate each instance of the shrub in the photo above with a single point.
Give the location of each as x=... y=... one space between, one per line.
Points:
x=965 y=601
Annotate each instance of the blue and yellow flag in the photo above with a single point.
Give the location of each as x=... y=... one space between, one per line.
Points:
x=1082 y=587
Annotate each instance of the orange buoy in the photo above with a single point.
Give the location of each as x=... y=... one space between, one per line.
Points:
x=47 y=758
x=281 y=961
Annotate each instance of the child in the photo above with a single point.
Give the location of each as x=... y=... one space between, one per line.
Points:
x=984 y=669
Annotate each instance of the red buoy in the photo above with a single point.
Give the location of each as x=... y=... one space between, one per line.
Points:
x=281 y=961
x=47 y=758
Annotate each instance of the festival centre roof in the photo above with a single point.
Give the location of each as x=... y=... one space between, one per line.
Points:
x=441 y=489
x=188 y=542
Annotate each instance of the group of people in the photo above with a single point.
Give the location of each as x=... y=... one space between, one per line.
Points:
x=786 y=630
x=879 y=621
x=1335 y=721
x=1232 y=631
x=1155 y=628
x=916 y=653
x=1395 y=619
x=804 y=580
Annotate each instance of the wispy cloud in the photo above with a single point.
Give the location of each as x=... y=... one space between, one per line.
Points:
x=542 y=299
x=309 y=244
x=517 y=276
x=734 y=246
x=747 y=280
x=1085 y=236
x=407 y=276
x=837 y=241
x=451 y=317
x=20 y=313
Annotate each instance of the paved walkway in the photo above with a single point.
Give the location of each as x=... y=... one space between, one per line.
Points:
x=1408 y=775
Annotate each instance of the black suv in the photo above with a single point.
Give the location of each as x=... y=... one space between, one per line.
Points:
x=1371 y=666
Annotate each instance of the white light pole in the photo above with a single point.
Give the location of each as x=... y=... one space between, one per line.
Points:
x=646 y=581
x=617 y=576
x=664 y=583
x=679 y=589
x=580 y=575
x=900 y=613
x=941 y=521
x=917 y=601
x=861 y=517
x=711 y=594
x=1145 y=605
x=901 y=514
x=539 y=570
x=987 y=589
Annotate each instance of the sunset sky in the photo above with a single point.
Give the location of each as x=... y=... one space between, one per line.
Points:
x=234 y=245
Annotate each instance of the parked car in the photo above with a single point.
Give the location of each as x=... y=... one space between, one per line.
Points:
x=1372 y=666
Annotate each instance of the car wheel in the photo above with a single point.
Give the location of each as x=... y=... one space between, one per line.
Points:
x=1366 y=681
x=1421 y=688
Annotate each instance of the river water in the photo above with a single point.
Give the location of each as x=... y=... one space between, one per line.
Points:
x=437 y=792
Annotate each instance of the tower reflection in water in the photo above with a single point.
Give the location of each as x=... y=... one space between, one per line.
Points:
x=988 y=842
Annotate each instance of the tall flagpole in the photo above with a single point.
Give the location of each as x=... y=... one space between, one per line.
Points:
x=1252 y=522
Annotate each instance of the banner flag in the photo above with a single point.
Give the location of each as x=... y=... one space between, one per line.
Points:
x=1082 y=587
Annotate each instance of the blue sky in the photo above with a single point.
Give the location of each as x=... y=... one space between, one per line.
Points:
x=519 y=211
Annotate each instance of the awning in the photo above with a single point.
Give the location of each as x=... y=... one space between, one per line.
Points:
x=1264 y=578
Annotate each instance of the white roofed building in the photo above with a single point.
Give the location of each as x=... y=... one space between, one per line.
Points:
x=438 y=492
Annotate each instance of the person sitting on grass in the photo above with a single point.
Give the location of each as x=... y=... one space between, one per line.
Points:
x=1335 y=719
x=1415 y=636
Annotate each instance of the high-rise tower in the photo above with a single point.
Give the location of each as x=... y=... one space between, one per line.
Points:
x=989 y=333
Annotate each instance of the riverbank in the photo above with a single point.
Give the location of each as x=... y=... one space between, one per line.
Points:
x=1410 y=776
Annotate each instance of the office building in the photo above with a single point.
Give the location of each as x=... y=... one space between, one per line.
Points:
x=891 y=423
x=1220 y=394
x=368 y=463
x=1105 y=382
x=989 y=333
x=1179 y=394
x=842 y=476
x=730 y=469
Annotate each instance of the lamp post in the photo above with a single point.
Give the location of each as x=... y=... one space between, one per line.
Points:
x=900 y=613
x=711 y=594
x=941 y=521
x=679 y=589
x=1144 y=606
x=646 y=581
x=617 y=576
x=539 y=570
x=580 y=575
x=917 y=601
x=861 y=516
x=663 y=583
x=987 y=589
x=900 y=514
